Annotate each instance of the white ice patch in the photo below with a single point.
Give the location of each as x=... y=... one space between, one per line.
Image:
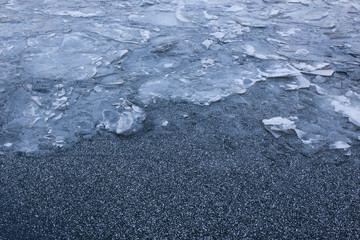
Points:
x=168 y=65
x=319 y=90
x=263 y=54
x=278 y=71
x=288 y=32
x=301 y=83
x=235 y=8
x=305 y=67
x=218 y=35
x=344 y=106
x=277 y=125
x=250 y=50
x=145 y=34
x=115 y=82
x=207 y=43
x=122 y=122
x=302 y=52
x=339 y=145
x=165 y=124
x=322 y=72
x=37 y=100
x=76 y=13
x=8 y=145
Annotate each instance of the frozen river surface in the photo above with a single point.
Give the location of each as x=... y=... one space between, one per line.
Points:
x=72 y=68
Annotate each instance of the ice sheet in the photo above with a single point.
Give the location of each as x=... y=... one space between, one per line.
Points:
x=70 y=69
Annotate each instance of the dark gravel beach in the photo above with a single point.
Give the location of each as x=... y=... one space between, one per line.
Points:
x=193 y=179
x=179 y=119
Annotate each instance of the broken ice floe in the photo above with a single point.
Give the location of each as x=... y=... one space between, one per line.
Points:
x=339 y=145
x=322 y=72
x=344 y=106
x=281 y=71
x=201 y=91
x=301 y=83
x=278 y=125
x=207 y=43
x=123 y=122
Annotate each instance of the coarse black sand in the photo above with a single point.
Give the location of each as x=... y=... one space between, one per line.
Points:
x=213 y=172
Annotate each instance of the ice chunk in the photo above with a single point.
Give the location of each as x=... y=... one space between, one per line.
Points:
x=302 y=52
x=60 y=103
x=168 y=65
x=308 y=137
x=122 y=53
x=123 y=122
x=8 y=145
x=309 y=67
x=288 y=32
x=98 y=89
x=250 y=22
x=145 y=34
x=37 y=100
x=250 y=50
x=279 y=124
x=218 y=35
x=278 y=71
x=301 y=82
x=116 y=82
x=323 y=72
x=263 y=53
x=235 y=8
x=339 y=145
x=79 y=13
x=165 y=123
x=319 y=89
x=207 y=43
x=344 y=106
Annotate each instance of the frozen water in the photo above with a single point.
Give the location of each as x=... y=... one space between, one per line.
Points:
x=165 y=123
x=69 y=69
x=343 y=105
x=279 y=124
x=339 y=145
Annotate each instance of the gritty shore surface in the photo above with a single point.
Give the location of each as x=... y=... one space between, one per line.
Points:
x=214 y=174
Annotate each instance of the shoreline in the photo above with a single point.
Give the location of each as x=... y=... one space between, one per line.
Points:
x=196 y=178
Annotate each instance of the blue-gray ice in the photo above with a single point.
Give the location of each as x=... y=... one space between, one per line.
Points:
x=71 y=68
